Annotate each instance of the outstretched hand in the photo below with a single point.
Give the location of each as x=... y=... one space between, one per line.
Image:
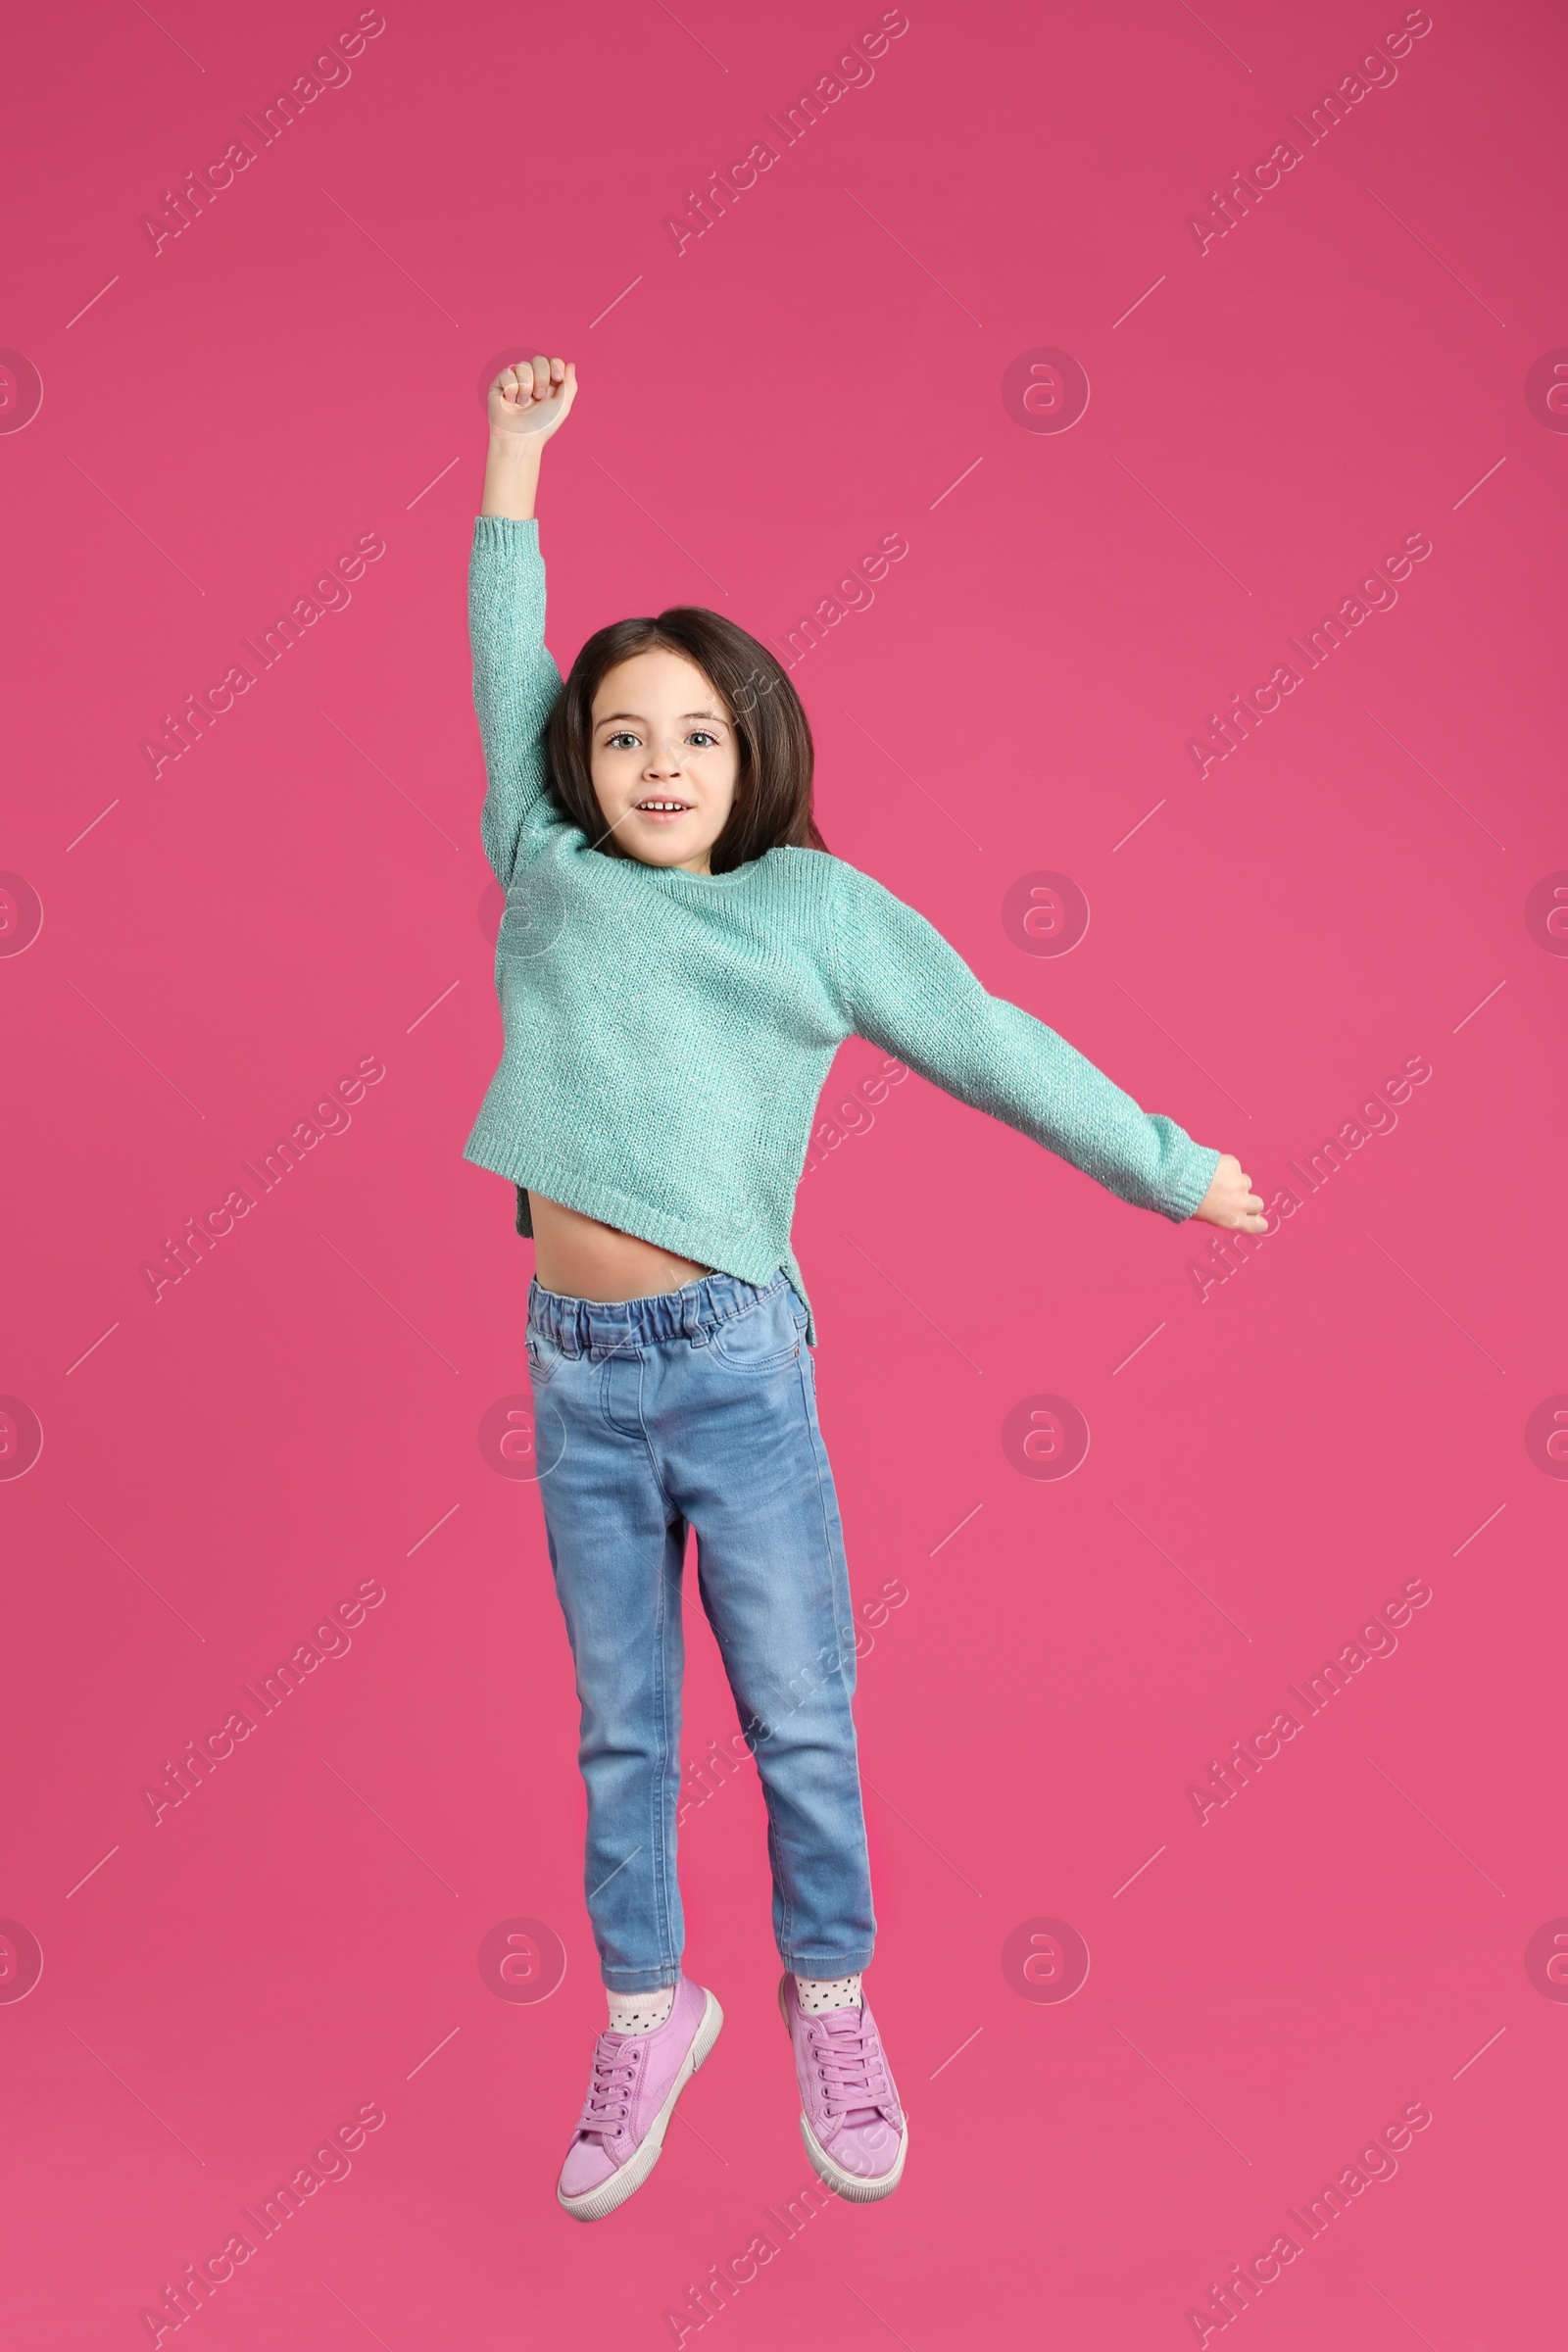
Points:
x=1230 y=1199
x=532 y=401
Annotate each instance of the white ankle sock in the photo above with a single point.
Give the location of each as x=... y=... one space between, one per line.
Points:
x=828 y=1992
x=640 y=2012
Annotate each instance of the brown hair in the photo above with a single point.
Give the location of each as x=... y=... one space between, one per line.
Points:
x=772 y=807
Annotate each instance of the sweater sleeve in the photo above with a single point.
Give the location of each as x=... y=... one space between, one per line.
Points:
x=515 y=684
x=904 y=989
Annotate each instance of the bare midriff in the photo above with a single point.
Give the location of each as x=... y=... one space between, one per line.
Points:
x=581 y=1258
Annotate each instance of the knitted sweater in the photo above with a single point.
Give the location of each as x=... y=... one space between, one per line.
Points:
x=666 y=1034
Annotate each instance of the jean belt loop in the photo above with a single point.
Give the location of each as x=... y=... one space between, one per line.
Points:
x=692 y=1319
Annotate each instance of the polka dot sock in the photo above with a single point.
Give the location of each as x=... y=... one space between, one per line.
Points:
x=828 y=1992
x=640 y=2012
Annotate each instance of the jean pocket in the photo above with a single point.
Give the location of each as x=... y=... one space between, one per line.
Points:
x=543 y=1358
x=765 y=1339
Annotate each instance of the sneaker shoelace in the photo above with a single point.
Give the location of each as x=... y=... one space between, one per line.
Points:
x=607 y=2109
x=848 y=2062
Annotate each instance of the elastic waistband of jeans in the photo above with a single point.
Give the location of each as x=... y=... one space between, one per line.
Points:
x=594 y=1326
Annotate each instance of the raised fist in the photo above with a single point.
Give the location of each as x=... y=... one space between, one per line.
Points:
x=532 y=399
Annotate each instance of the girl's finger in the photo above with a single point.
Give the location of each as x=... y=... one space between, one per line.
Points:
x=541 y=375
x=558 y=370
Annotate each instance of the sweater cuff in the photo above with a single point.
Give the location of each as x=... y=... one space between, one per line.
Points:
x=1194 y=1179
x=499 y=534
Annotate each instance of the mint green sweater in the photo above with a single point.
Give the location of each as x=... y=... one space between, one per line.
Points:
x=666 y=1035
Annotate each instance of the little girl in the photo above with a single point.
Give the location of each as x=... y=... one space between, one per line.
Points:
x=679 y=961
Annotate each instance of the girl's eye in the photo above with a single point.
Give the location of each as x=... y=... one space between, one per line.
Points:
x=616 y=743
x=701 y=737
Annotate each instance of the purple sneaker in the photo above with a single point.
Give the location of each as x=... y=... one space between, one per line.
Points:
x=636 y=2079
x=854 y=2131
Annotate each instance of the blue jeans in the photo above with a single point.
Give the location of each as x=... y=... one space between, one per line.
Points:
x=697 y=1409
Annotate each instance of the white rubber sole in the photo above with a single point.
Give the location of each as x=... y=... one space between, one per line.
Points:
x=624 y=2183
x=849 y=2185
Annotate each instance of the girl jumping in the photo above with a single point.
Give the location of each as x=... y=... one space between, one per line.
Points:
x=679 y=961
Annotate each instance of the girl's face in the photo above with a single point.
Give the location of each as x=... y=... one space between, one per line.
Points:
x=663 y=760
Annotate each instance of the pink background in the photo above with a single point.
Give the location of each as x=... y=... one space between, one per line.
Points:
x=300 y=1415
